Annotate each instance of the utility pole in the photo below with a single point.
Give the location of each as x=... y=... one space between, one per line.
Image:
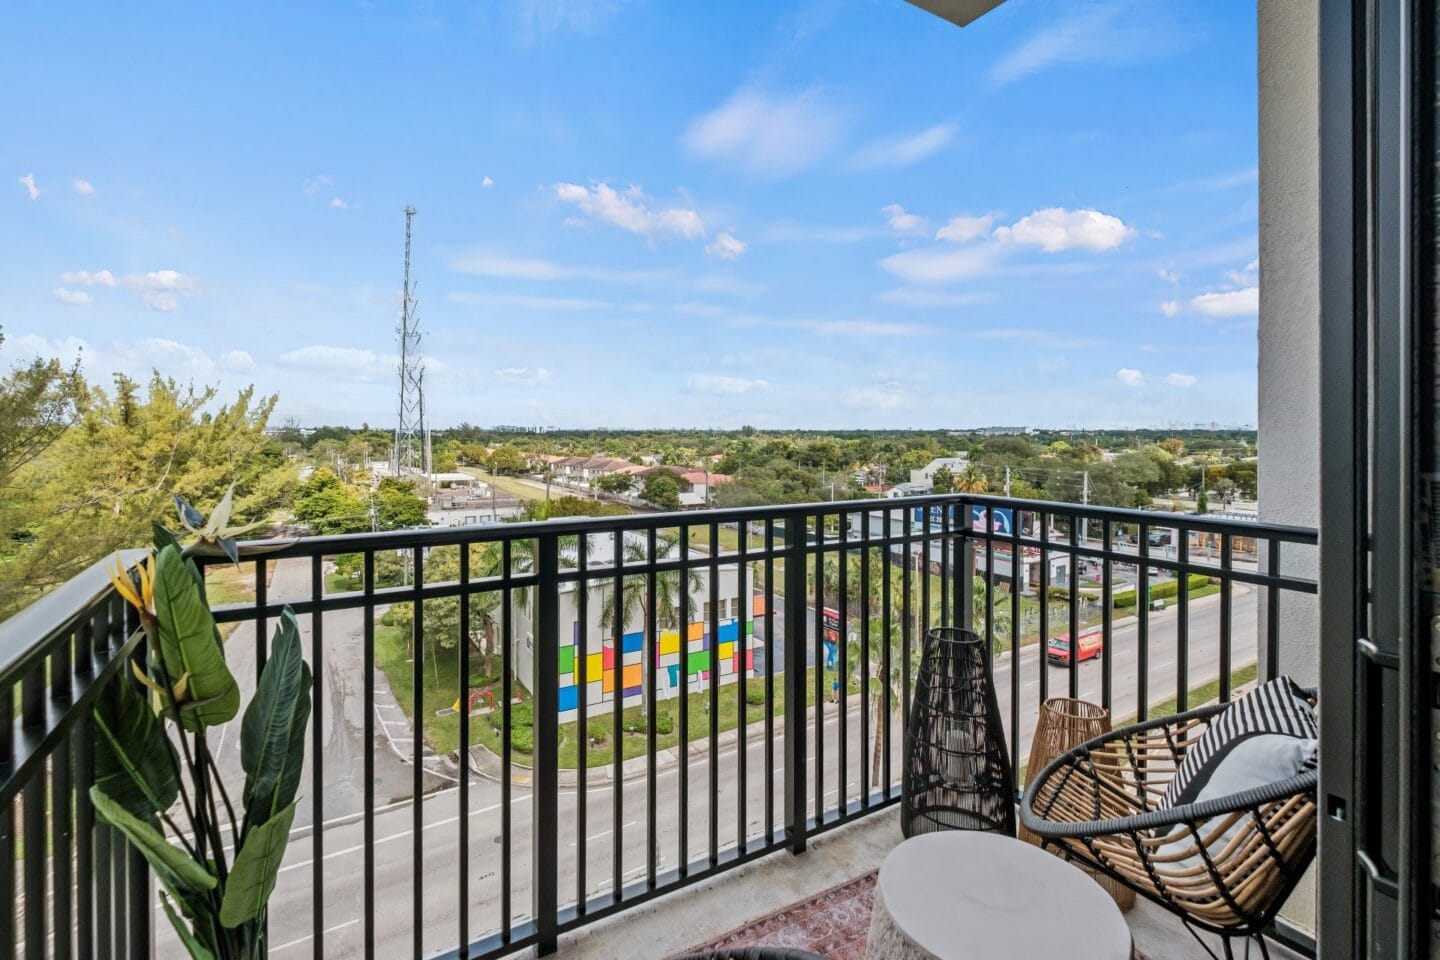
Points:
x=1007 y=481
x=1085 y=502
x=411 y=436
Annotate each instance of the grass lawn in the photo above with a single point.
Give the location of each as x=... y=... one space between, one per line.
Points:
x=441 y=687
x=226 y=584
x=513 y=486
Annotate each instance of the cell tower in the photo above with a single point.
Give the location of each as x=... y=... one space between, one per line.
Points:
x=412 y=439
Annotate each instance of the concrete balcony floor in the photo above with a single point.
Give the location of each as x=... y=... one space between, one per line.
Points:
x=700 y=913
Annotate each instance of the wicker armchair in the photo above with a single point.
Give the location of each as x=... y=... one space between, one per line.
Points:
x=1222 y=865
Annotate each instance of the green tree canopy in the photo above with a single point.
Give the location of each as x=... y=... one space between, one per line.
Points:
x=662 y=488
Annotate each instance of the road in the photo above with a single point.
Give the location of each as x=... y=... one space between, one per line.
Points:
x=395 y=872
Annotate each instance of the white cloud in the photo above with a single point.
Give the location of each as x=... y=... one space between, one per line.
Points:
x=629 y=210
x=722 y=384
x=1247 y=277
x=1098 y=32
x=337 y=204
x=338 y=362
x=788 y=231
x=161 y=353
x=917 y=297
x=1232 y=303
x=963 y=229
x=161 y=290
x=942 y=265
x=1130 y=377
x=1182 y=380
x=28 y=182
x=76 y=298
x=313 y=185
x=904 y=151
x=238 y=361
x=524 y=375
x=883 y=396
x=1055 y=228
x=526 y=268
x=84 y=278
x=557 y=304
x=859 y=328
x=1169 y=276
x=728 y=246
x=83 y=187
x=487 y=182
x=768 y=136
x=1170 y=307
x=903 y=222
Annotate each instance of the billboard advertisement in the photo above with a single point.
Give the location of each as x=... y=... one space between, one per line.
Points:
x=1002 y=519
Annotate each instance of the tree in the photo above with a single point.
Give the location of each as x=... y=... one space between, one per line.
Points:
x=396 y=505
x=615 y=482
x=943 y=480
x=662 y=488
x=1243 y=474
x=629 y=603
x=328 y=506
x=1173 y=445
x=971 y=480
x=100 y=484
x=506 y=458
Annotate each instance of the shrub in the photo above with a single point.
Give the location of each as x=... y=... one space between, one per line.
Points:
x=754 y=695
x=521 y=715
x=1162 y=591
x=664 y=723
x=522 y=739
x=598 y=730
x=1059 y=593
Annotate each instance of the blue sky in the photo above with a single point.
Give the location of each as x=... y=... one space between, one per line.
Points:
x=814 y=214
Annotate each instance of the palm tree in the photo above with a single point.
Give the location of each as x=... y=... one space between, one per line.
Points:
x=630 y=600
x=971 y=480
x=894 y=681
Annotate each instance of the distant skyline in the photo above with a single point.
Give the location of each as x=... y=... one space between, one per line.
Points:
x=828 y=214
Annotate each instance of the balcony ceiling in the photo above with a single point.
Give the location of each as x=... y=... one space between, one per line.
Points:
x=958 y=12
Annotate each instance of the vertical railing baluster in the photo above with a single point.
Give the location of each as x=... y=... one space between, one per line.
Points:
x=368 y=670
x=417 y=771
x=745 y=596
x=617 y=726
x=682 y=837
x=651 y=653
x=770 y=645
x=141 y=905
x=1272 y=613
x=1226 y=613
x=8 y=905
x=317 y=766
x=818 y=780
x=795 y=646
x=712 y=697
x=990 y=581
x=1073 y=599
x=1107 y=605
x=1042 y=660
x=1142 y=623
x=887 y=677
x=1182 y=621
x=947 y=570
x=865 y=649
x=1016 y=564
x=582 y=716
x=545 y=790
x=842 y=672
x=907 y=635
x=33 y=799
x=507 y=693
x=463 y=892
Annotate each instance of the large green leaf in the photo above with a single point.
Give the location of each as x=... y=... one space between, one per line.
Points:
x=134 y=763
x=189 y=646
x=272 y=735
x=252 y=876
x=169 y=860
x=197 y=950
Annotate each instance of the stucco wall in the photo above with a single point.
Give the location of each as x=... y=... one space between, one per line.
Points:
x=1289 y=375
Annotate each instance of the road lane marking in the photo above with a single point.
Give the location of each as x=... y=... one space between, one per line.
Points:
x=309 y=936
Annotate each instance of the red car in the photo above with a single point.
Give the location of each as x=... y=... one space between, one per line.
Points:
x=1092 y=645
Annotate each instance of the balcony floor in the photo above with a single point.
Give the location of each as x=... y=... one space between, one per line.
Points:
x=707 y=910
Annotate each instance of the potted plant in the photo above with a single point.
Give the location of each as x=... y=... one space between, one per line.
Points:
x=156 y=782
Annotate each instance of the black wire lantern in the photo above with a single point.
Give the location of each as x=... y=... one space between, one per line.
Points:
x=957 y=767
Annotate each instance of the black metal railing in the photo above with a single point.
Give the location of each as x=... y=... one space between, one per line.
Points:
x=746 y=670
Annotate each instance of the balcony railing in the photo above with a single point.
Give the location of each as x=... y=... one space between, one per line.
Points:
x=500 y=850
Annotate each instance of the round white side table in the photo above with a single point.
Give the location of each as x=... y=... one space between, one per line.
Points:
x=964 y=895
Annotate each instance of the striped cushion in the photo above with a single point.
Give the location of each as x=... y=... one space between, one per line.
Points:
x=1279 y=708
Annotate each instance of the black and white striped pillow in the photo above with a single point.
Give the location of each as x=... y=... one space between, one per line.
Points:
x=1278 y=709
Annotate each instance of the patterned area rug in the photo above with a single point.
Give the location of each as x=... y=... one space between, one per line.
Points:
x=834 y=923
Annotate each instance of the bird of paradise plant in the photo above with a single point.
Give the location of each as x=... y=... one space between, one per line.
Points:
x=153 y=764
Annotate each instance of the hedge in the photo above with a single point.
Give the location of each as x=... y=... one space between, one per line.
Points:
x=1161 y=591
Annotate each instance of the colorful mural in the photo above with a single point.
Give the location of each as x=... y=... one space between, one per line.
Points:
x=596 y=670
